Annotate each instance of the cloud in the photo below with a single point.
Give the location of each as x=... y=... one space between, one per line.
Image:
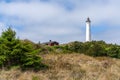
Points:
x=30 y=11
x=61 y=20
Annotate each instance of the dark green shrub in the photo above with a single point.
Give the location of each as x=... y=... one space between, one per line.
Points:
x=113 y=51
x=76 y=47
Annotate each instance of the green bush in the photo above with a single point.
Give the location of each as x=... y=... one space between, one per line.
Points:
x=76 y=47
x=95 y=50
x=113 y=51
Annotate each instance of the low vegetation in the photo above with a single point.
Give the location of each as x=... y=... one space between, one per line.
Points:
x=93 y=48
x=69 y=67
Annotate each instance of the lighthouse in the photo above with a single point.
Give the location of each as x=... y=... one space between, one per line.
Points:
x=88 y=30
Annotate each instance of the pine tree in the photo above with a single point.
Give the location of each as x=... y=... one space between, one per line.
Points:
x=15 y=52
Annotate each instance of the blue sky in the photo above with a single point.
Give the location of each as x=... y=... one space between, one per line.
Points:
x=61 y=20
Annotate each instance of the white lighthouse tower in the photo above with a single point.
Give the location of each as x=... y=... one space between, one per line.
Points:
x=88 y=30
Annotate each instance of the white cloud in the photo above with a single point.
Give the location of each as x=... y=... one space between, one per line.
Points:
x=45 y=20
x=30 y=11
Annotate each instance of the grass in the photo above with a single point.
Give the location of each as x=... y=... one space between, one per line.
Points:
x=69 y=67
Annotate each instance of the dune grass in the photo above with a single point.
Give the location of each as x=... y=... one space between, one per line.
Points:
x=69 y=67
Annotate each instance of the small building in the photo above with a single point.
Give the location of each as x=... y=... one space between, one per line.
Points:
x=51 y=43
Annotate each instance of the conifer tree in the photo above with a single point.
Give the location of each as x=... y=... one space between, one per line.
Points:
x=15 y=52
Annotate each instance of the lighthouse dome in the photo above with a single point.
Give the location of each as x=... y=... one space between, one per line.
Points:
x=88 y=20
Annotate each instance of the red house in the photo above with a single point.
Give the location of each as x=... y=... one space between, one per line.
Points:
x=51 y=43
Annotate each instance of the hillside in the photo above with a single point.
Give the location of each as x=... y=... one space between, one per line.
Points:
x=69 y=67
x=26 y=60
